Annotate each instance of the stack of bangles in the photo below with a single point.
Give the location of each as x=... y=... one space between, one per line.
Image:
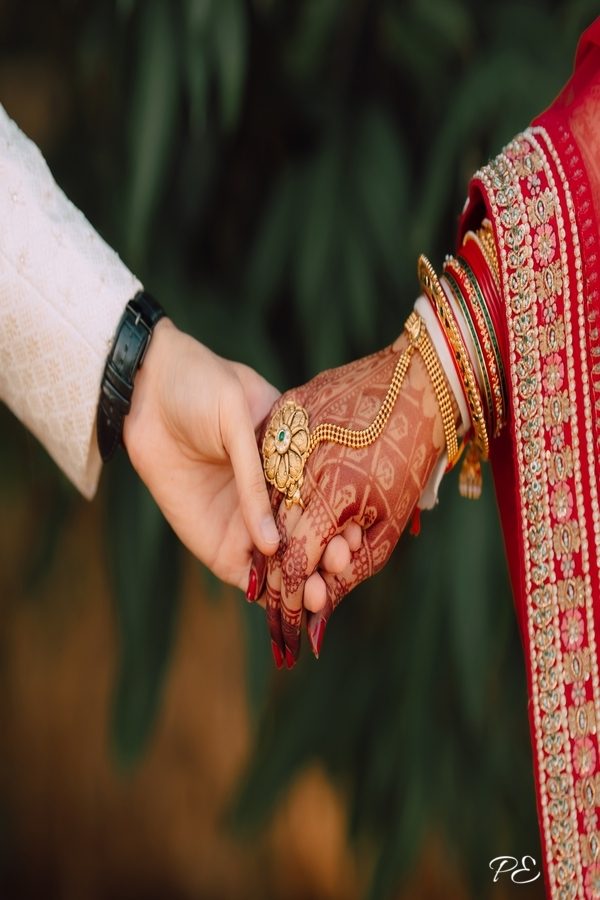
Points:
x=466 y=301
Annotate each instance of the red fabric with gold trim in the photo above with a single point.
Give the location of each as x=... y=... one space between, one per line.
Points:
x=541 y=195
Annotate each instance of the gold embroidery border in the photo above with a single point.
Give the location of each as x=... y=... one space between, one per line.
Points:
x=580 y=711
x=587 y=418
x=589 y=412
x=555 y=765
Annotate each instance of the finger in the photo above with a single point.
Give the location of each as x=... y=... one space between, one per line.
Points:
x=353 y=535
x=338 y=585
x=336 y=588
x=314 y=529
x=286 y=522
x=315 y=593
x=316 y=623
x=315 y=589
x=336 y=556
x=273 y=616
x=257 y=576
x=260 y=394
x=258 y=564
x=375 y=549
x=240 y=442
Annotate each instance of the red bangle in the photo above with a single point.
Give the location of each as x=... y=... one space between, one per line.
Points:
x=471 y=252
x=458 y=283
x=470 y=297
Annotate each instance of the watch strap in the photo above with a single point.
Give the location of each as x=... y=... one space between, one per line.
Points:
x=126 y=356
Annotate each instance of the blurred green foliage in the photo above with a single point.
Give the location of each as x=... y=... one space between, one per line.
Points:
x=271 y=170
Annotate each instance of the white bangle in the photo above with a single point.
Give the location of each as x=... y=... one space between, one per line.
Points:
x=429 y=494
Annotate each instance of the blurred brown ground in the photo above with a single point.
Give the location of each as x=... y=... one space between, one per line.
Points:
x=81 y=830
x=76 y=830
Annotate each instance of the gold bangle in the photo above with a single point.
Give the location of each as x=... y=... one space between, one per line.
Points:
x=434 y=291
x=450 y=274
x=485 y=238
x=485 y=340
x=440 y=385
x=288 y=443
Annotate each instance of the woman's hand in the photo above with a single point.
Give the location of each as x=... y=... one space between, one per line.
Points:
x=373 y=489
x=190 y=435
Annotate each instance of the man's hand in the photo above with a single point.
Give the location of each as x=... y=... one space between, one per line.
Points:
x=190 y=436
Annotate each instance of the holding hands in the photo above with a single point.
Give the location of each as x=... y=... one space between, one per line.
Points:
x=347 y=456
x=191 y=437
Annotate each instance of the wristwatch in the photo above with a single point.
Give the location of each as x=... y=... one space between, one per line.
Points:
x=126 y=356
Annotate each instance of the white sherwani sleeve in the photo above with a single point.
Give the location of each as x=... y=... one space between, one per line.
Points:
x=62 y=293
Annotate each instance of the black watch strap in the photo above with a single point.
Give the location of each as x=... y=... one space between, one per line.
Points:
x=126 y=356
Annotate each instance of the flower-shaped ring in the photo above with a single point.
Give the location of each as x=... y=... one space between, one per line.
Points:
x=285 y=450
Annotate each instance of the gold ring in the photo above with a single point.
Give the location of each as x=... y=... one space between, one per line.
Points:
x=285 y=449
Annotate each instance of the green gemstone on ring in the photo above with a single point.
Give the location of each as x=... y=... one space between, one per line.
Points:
x=281 y=435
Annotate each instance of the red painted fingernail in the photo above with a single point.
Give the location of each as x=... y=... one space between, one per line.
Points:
x=316 y=638
x=252 y=585
x=415 y=522
x=289 y=658
x=277 y=655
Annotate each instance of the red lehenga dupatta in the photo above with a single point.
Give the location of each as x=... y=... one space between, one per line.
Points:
x=542 y=194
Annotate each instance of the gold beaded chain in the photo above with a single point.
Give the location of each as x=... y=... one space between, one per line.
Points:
x=418 y=340
x=429 y=356
x=280 y=442
x=357 y=439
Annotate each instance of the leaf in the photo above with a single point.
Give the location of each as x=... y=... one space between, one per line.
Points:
x=316 y=237
x=145 y=557
x=54 y=509
x=382 y=187
x=274 y=242
x=401 y=843
x=400 y=43
x=151 y=127
x=304 y=700
x=198 y=15
x=449 y=20
x=125 y=8
x=259 y=664
x=476 y=102
x=230 y=38
x=577 y=15
x=198 y=19
x=316 y=27
x=357 y=285
x=198 y=85
x=469 y=601
x=325 y=339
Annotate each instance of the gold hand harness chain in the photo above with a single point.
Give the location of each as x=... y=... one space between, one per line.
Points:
x=288 y=442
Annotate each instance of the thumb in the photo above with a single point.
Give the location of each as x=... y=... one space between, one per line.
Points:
x=259 y=393
x=240 y=442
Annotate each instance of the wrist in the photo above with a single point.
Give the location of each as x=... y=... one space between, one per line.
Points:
x=145 y=400
x=131 y=342
x=417 y=362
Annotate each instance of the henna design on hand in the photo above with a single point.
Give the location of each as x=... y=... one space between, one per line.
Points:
x=377 y=486
x=294 y=564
